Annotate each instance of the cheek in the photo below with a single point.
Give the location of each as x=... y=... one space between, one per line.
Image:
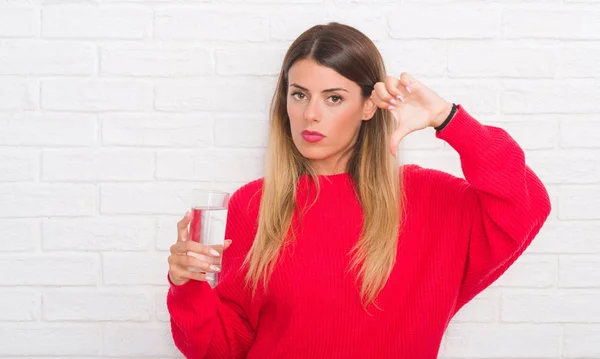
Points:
x=346 y=123
x=295 y=115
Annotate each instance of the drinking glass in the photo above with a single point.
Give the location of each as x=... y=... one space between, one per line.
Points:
x=209 y=216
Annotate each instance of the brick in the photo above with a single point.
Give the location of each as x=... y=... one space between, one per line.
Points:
x=580 y=132
x=18 y=94
x=23 y=200
x=98 y=234
x=500 y=59
x=550 y=306
x=496 y=340
x=531 y=132
x=478 y=97
x=579 y=60
x=19 y=21
x=50 y=339
x=97 y=305
x=167 y=232
x=572 y=166
x=49 y=269
x=241 y=131
x=419 y=57
x=157 y=130
x=485 y=307
x=18 y=57
x=94 y=21
x=285 y=27
x=97 y=165
x=160 y=303
x=581 y=341
x=448 y=22
x=563 y=237
x=579 y=202
x=224 y=94
x=372 y=23
x=210 y=165
x=551 y=24
x=48 y=130
x=579 y=271
x=553 y=193
x=19 y=165
x=135 y=268
x=19 y=234
x=19 y=306
x=196 y=24
x=248 y=60
x=422 y=140
x=96 y=95
x=155 y=60
x=138 y=340
x=549 y=96
x=530 y=271
x=147 y=198
x=447 y=161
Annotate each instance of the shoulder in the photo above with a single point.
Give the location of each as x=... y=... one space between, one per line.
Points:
x=247 y=197
x=436 y=185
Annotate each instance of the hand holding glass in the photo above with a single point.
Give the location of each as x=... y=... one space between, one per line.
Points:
x=200 y=257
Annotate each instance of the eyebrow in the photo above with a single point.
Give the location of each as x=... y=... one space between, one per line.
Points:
x=327 y=90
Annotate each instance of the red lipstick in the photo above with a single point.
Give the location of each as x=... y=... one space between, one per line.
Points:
x=312 y=136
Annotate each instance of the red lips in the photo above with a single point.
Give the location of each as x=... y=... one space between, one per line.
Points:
x=312 y=136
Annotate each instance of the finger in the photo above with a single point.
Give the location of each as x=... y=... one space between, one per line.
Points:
x=381 y=97
x=182 y=227
x=397 y=137
x=182 y=273
x=392 y=85
x=200 y=248
x=198 y=262
x=408 y=81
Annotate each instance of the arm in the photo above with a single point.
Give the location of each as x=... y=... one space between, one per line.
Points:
x=219 y=323
x=507 y=203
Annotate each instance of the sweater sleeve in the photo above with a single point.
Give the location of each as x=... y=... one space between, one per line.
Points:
x=506 y=202
x=217 y=322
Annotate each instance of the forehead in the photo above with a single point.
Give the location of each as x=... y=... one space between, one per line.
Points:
x=307 y=73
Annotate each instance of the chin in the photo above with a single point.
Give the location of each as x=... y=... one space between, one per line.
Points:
x=313 y=153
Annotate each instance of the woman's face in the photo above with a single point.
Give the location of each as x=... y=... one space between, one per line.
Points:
x=325 y=111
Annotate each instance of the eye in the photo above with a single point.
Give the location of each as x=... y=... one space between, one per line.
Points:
x=297 y=93
x=339 y=98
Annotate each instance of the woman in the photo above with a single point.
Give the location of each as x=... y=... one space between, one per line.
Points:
x=338 y=252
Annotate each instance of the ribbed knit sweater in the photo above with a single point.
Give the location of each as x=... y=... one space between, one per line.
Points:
x=458 y=236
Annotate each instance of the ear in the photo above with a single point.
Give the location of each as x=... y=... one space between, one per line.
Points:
x=369 y=108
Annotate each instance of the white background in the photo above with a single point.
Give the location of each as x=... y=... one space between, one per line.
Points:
x=111 y=111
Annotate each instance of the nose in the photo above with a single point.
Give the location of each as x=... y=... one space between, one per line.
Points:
x=312 y=113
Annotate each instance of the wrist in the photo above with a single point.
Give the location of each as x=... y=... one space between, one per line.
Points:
x=442 y=114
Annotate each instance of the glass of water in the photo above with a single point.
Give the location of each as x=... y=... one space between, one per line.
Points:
x=209 y=216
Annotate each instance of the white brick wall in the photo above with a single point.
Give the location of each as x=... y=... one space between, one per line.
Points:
x=112 y=111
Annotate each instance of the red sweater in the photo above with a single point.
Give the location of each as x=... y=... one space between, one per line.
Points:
x=459 y=236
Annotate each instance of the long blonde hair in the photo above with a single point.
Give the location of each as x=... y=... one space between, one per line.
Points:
x=373 y=169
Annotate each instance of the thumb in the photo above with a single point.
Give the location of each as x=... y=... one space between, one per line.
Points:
x=227 y=244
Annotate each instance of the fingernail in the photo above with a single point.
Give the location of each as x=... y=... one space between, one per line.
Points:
x=214 y=253
x=408 y=89
x=400 y=98
x=214 y=268
x=393 y=101
x=391 y=108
